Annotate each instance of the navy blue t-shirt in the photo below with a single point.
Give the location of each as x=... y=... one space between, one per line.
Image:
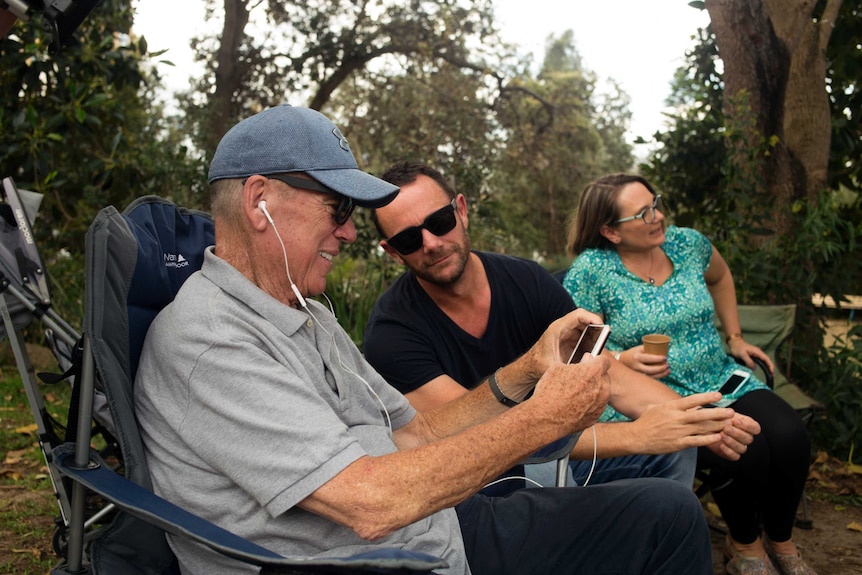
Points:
x=410 y=341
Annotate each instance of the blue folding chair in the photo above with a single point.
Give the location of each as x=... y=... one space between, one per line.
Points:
x=136 y=262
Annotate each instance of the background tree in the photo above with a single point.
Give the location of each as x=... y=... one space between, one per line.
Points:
x=774 y=54
x=300 y=52
x=559 y=134
x=723 y=196
x=77 y=127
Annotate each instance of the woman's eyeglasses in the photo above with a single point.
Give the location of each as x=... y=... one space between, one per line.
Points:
x=345 y=205
x=648 y=214
x=438 y=223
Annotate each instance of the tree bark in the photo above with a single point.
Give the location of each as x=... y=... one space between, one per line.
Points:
x=230 y=72
x=774 y=51
x=807 y=124
x=756 y=68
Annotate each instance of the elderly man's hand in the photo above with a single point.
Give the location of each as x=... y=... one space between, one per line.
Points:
x=575 y=394
x=556 y=344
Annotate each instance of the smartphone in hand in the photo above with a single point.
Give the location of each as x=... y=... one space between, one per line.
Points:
x=592 y=341
x=731 y=386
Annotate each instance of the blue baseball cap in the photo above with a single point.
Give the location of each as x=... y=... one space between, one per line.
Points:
x=290 y=139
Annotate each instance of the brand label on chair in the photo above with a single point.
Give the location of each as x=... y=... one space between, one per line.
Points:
x=175 y=261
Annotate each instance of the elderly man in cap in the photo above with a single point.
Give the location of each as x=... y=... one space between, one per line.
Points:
x=259 y=413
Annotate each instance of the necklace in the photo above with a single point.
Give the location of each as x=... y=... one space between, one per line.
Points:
x=651 y=263
x=649 y=275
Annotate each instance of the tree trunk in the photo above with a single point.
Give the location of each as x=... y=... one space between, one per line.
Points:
x=230 y=72
x=775 y=53
x=807 y=123
x=756 y=68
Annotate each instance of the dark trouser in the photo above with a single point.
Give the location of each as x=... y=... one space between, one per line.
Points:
x=623 y=527
x=765 y=485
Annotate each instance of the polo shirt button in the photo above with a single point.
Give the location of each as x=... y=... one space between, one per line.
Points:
x=309 y=323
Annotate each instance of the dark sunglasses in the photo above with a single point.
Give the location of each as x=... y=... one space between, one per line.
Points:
x=345 y=204
x=438 y=223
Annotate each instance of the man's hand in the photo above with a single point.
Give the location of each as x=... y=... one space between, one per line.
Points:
x=736 y=437
x=556 y=344
x=682 y=423
x=576 y=394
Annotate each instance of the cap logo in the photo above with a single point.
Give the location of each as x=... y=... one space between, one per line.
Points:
x=342 y=141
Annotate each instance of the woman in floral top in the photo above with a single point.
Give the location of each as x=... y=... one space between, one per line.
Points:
x=644 y=277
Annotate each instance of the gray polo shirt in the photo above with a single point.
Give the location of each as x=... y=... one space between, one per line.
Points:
x=247 y=406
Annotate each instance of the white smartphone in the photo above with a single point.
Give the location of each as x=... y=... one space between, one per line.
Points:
x=592 y=341
x=736 y=380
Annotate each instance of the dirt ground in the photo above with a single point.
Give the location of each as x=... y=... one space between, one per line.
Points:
x=833 y=546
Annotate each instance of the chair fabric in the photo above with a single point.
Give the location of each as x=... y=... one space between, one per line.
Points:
x=769 y=327
x=20 y=262
x=141 y=502
x=135 y=264
x=148 y=230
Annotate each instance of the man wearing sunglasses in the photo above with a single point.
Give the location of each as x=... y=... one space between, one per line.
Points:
x=258 y=413
x=458 y=316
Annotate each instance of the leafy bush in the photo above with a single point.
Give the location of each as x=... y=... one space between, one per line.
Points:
x=352 y=288
x=838 y=384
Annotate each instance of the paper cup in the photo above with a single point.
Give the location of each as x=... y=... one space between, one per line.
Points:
x=656 y=343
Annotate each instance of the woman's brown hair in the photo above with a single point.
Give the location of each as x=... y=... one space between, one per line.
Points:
x=597 y=207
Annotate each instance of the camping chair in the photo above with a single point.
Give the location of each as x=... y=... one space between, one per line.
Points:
x=770 y=327
x=24 y=297
x=135 y=263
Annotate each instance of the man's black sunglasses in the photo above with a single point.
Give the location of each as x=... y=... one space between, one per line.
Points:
x=438 y=223
x=345 y=204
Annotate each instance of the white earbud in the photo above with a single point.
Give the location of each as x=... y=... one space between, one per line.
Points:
x=262 y=205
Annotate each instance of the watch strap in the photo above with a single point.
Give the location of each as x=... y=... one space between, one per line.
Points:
x=498 y=393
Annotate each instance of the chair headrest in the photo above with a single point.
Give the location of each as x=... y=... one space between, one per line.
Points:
x=170 y=248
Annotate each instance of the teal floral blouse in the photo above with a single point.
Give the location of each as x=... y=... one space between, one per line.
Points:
x=682 y=308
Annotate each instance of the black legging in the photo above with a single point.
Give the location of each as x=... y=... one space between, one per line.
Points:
x=765 y=485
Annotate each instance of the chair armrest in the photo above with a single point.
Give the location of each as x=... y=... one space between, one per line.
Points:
x=554 y=451
x=153 y=509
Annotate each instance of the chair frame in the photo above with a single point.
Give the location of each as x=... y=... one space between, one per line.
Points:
x=23 y=283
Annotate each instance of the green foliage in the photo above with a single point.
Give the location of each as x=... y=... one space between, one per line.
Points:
x=844 y=62
x=352 y=288
x=723 y=195
x=687 y=161
x=79 y=128
x=836 y=381
x=560 y=133
x=310 y=48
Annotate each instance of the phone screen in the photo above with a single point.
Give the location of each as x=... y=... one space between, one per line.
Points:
x=592 y=341
x=732 y=383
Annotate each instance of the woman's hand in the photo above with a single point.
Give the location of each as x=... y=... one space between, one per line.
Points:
x=655 y=366
x=741 y=349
